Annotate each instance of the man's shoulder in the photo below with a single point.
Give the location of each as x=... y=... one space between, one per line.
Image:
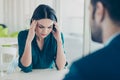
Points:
x=92 y=57
x=98 y=57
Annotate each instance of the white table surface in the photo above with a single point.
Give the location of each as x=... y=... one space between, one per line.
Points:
x=8 y=41
x=46 y=74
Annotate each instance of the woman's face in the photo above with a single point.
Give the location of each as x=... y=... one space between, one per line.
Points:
x=44 y=27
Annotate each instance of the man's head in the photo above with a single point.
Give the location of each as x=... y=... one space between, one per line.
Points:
x=100 y=10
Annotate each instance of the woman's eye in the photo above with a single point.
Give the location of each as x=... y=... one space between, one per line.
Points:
x=49 y=27
x=40 y=26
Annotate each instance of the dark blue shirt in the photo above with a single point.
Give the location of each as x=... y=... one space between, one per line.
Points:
x=103 y=64
x=41 y=59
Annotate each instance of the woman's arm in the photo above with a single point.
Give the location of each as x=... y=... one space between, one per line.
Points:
x=26 y=58
x=60 y=57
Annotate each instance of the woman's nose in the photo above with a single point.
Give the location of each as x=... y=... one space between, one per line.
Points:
x=45 y=30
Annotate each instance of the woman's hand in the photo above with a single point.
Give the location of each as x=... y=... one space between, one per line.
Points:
x=57 y=33
x=31 y=32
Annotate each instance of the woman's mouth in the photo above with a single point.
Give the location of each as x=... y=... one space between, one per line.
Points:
x=43 y=34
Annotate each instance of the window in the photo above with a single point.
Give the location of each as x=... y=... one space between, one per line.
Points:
x=72 y=22
x=72 y=16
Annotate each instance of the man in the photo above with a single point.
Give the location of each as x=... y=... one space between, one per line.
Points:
x=103 y=64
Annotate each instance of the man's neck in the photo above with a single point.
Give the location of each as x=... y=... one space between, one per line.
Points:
x=110 y=31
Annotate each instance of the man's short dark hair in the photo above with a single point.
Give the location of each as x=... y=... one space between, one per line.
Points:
x=112 y=6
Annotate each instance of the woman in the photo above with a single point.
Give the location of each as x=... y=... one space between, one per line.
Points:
x=42 y=44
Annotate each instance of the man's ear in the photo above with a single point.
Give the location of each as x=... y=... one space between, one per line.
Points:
x=100 y=12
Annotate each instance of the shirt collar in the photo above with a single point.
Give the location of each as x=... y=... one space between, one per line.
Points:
x=111 y=38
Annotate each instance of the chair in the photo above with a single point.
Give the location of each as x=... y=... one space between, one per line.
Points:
x=7 y=57
x=3 y=25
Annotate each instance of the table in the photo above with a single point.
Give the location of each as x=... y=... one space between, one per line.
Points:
x=8 y=41
x=44 y=74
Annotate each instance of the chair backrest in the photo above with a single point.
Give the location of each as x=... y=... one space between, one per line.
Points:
x=3 y=25
x=8 y=54
x=9 y=50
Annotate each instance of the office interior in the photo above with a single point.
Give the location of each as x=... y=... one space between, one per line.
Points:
x=72 y=17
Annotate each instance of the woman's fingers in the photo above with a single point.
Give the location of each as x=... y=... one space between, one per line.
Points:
x=34 y=24
x=57 y=26
x=32 y=30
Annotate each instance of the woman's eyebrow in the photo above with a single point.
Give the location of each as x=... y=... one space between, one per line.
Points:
x=41 y=25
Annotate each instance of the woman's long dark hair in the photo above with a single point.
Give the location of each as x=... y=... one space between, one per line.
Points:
x=44 y=12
